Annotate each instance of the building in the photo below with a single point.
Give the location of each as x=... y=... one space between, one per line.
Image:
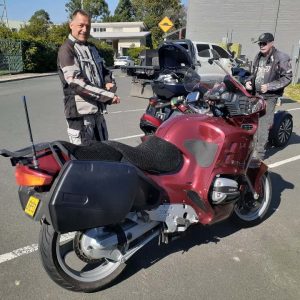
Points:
x=242 y=21
x=121 y=35
x=15 y=25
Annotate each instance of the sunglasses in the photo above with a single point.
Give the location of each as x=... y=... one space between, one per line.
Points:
x=262 y=44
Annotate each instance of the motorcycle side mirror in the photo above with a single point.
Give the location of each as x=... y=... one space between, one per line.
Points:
x=192 y=97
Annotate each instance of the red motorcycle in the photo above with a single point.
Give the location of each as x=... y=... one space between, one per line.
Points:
x=99 y=204
x=169 y=88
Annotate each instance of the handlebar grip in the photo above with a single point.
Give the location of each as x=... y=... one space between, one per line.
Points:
x=163 y=105
x=168 y=103
x=214 y=97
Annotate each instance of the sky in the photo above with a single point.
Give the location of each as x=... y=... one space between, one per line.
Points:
x=22 y=10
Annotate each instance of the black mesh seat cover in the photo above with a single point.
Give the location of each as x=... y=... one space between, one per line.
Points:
x=94 y=151
x=155 y=155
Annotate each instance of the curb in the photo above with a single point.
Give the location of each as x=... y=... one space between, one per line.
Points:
x=7 y=78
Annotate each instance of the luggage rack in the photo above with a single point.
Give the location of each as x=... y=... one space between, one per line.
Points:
x=25 y=155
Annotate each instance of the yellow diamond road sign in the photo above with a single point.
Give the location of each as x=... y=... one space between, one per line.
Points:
x=165 y=24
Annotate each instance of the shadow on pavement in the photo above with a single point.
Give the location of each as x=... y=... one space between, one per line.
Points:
x=278 y=186
x=295 y=139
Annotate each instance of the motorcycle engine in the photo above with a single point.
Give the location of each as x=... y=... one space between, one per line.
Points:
x=225 y=190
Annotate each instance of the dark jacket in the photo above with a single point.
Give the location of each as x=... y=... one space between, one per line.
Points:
x=279 y=75
x=83 y=75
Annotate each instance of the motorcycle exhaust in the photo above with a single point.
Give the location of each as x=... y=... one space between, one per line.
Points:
x=108 y=242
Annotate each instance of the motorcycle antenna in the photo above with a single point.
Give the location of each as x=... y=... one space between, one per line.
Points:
x=35 y=162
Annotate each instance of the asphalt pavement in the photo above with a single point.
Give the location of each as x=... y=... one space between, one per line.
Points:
x=217 y=262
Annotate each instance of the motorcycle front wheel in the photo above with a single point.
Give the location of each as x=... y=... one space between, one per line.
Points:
x=249 y=211
x=64 y=266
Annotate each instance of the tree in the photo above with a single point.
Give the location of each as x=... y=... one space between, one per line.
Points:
x=152 y=12
x=58 y=33
x=38 y=26
x=40 y=16
x=5 y=32
x=97 y=9
x=124 y=12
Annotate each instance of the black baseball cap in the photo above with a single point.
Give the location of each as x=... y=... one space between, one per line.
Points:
x=265 y=38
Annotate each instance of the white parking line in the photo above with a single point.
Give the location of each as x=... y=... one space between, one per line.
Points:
x=126 y=111
x=29 y=249
x=34 y=247
x=283 y=162
x=19 y=252
x=127 y=137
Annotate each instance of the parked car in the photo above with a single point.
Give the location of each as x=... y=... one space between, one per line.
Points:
x=123 y=61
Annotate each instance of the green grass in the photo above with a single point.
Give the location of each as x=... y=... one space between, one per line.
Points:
x=4 y=73
x=293 y=92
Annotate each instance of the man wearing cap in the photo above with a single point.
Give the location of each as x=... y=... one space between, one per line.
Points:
x=271 y=73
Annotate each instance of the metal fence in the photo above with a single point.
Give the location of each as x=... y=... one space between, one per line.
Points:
x=10 y=56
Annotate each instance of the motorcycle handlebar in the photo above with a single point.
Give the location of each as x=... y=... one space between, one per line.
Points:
x=169 y=103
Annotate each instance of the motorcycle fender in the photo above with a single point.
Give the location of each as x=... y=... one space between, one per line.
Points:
x=255 y=175
x=91 y=194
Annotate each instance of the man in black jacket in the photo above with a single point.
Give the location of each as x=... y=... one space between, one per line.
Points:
x=271 y=73
x=87 y=85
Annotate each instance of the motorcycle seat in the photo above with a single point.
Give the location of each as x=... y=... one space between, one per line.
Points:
x=155 y=155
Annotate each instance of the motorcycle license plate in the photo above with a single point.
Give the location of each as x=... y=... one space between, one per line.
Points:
x=31 y=206
x=160 y=115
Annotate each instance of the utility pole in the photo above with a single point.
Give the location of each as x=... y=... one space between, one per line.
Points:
x=81 y=4
x=3 y=13
x=296 y=71
x=277 y=16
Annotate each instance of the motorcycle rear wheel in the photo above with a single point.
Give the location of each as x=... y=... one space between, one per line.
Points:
x=67 y=270
x=251 y=212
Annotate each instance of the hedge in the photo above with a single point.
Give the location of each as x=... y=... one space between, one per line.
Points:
x=41 y=56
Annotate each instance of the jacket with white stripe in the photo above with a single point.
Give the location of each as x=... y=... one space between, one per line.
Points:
x=83 y=76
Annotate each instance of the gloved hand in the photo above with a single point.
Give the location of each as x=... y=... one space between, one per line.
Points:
x=174 y=102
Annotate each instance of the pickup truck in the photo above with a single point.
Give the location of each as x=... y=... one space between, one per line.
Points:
x=199 y=52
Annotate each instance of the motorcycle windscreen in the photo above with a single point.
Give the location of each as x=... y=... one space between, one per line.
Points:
x=91 y=194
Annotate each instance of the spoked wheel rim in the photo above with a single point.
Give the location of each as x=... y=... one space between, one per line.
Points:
x=78 y=269
x=252 y=209
x=285 y=130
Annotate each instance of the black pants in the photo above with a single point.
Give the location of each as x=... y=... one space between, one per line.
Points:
x=87 y=128
x=264 y=125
